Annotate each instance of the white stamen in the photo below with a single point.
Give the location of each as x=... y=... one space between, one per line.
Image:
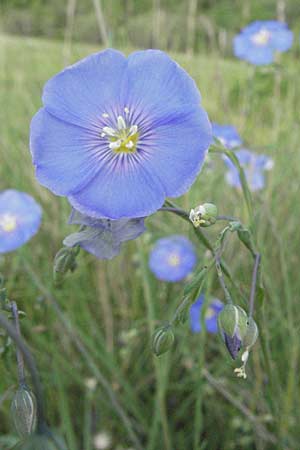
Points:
x=129 y=145
x=103 y=135
x=121 y=123
x=126 y=110
x=132 y=130
x=115 y=144
x=262 y=37
x=105 y=115
x=109 y=131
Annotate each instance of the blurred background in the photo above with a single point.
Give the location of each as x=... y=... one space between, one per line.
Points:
x=189 y=399
x=185 y=26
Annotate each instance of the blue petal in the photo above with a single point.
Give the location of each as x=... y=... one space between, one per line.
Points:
x=159 y=261
x=66 y=157
x=175 y=152
x=122 y=189
x=282 y=40
x=28 y=215
x=98 y=242
x=195 y=315
x=228 y=134
x=156 y=85
x=84 y=91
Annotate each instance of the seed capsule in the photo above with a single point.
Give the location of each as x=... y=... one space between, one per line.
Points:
x=23 y=411
x=162 y=340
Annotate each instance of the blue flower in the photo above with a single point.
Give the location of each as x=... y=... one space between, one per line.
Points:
x=118 y=135
x=210 y=317
x=103 y=237
x=172 y=258
x=20 y=219
x=258 y=42
x=254 y=166
x=227 y=134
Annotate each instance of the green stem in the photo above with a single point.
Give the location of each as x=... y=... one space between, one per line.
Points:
x=160 y=384
x=219 y=148
x=12 y=332
x=20 y=359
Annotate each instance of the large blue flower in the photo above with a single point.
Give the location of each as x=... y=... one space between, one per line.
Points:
x=103 y=237
x=258 y=42
x=117 y=135
x=227 y=134
x=20 y=218
x=211 y=315
x=254 y=166
x=172 y=258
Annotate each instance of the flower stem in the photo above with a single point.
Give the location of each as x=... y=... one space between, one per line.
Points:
x=20 y=359
x=253 y=284
x=219 y=148
x=28 y=358
x=160 y=383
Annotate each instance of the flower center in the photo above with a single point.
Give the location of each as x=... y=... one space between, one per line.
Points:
x=8 y=222
x=210 y=313
x=123 y=138
x=174 y=260
x=262 y=37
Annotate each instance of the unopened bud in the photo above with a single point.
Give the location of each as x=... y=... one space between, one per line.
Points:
x=23 y=411
x=64 y=261
x=204 y=215
x=232 y=323
x=162 y=340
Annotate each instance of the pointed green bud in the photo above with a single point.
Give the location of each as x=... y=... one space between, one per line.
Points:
x=23 y=411
x=162 y=340
x=64 y=261
x=204 y=215
x=232 y=324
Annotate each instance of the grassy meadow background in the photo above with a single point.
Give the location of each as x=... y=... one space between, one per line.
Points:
x=189 y=398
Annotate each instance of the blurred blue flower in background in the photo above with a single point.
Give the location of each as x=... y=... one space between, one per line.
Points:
x=254 y=166
x=227 y=135
x=114 y=132
x=258 y=42
x=172 y=258
x=211 y=315
x=103 y=237
x=20 y=219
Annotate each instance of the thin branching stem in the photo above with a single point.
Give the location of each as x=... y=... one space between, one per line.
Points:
x=20 y=359
x=30 y=363
x=253 y=284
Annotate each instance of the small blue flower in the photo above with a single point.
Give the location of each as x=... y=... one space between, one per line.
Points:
x=172 y=258
x=227 y=135
x=118 y=135
x=210 y=317
x=254 y=166
x=258 y=42
x=20 y=219
x=103 y=237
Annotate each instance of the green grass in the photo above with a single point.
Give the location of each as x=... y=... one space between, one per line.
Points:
x=169 y=402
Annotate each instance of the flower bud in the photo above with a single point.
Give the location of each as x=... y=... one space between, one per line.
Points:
x=232 y=323
x=204 y=215
x=64 y=261
x=162 y=340
x=23 y=411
